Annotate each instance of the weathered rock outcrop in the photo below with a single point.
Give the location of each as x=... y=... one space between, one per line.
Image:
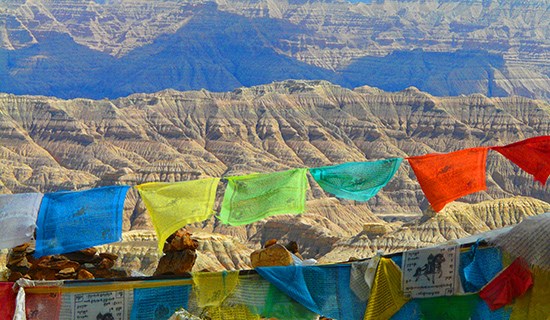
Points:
x=83 y=265
x=215 y=252
x=457 y=220
x=179 y=254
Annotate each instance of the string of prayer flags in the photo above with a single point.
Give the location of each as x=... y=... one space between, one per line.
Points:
x=74 y=220
x=512 y=282
x=447 y=177
x=386 y=296
x=324 y=290
x=174 y=205
x=18 y=214
x=532 y=155
x=256 y=196
x=212 y=288
x=357 y=181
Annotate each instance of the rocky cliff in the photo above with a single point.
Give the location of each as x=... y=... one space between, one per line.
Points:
x=49 y=144
x=114 y=48
x=458 y=220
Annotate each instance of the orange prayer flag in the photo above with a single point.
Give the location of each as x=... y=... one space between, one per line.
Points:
x=447 y=177
x=532 y=155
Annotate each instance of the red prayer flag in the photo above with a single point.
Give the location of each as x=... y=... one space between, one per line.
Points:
x=447 y=177
x=7 y=300
x=43 y=306
x=532 y=155
x=512 y=282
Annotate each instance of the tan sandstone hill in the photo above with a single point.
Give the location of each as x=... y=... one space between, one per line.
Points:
x=457 y=220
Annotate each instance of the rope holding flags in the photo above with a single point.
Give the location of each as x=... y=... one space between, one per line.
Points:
x=95 y=215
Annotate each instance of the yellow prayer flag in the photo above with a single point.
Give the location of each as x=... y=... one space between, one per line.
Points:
x=212 y=288
x=172 y=205
x=386 y=297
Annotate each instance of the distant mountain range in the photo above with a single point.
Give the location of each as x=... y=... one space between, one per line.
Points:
x=113 y=48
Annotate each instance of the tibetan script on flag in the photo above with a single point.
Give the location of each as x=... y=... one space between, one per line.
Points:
x=430 y=272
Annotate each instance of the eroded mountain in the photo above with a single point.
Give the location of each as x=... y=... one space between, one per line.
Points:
x=50 y=144
x=114 y=48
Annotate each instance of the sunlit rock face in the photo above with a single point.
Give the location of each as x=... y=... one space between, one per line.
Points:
x=49 y=144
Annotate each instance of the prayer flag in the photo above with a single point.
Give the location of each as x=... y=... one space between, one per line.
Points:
x=448 y=308
x=479 y=266
x=7 y=300
x=254 y=197
x=386 y=296
x=447 y=177
x=18 y=214
x=234 y=312
x=261 y=297
x=70 y=221
x=430 y=272
x=324 y=290
x=531 y=155
x=362 y=277
x=160 y=301
x=534 y=304
x=512 y=282
x=43 y=306
x=174 y=205
x=212 y=288
x=278 y=305
x=358 y=181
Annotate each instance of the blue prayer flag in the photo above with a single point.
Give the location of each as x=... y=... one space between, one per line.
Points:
x=74 y=220
x=478 y=267
x=357 y=181
x=324 y=290
x=159 y=303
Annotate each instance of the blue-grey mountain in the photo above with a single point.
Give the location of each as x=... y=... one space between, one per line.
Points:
x=113 y=48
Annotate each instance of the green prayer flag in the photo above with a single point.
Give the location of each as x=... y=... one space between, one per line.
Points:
x=257 y=196
x=449 y=307
x=357 y=181
x=280 y=306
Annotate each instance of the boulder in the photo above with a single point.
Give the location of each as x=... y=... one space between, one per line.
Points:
x=275 y=255
x=84 y=275
x=176 y=262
